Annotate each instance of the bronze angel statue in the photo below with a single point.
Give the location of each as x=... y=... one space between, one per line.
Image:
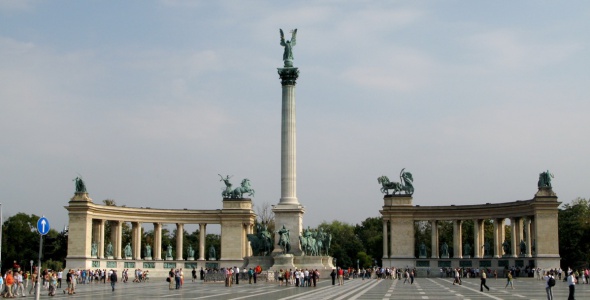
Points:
x=288 y=54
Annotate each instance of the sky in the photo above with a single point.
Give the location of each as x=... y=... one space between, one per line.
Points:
x=150 y=100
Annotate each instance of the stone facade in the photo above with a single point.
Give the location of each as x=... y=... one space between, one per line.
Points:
x=87 y=223
x=534 y=222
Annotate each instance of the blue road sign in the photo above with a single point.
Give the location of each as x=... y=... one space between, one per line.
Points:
x=43 y=226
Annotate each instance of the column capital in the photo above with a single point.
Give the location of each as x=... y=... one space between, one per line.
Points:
x=288 y=75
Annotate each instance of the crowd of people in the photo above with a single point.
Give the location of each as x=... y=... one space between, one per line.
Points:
x=20 y=283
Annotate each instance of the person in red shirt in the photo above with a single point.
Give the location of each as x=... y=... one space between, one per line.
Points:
x=9 y=283
x=340 y=276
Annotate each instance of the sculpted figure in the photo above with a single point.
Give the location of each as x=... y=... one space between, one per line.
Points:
x=506 y=247
x=169 y=251
x=109 y=251
x=94 y=249
x=80 y=186
x=212 y=253
x=522 y=247
x=128 y=250
x=227 y=192
x=288 y=45
x=445 y=249
x=422 y=250
x=284 y=239
x=486 y=249
x=148 y=250
x=467 y=250
x=190 y=251
x=545 y=180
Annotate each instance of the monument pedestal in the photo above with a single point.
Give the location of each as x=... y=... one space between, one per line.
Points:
x=291 y=216
x=147 y=258
x=283 y=261
x=190 y=258
x=169 y=258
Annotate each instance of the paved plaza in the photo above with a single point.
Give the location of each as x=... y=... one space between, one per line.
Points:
x=423 y=288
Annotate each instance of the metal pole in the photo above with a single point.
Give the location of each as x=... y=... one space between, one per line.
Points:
x=1 y=229
x=38 y=291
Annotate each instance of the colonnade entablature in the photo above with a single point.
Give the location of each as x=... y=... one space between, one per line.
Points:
x=533 y=240
x=89 y=248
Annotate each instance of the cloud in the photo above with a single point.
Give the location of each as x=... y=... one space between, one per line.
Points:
x=517 y=49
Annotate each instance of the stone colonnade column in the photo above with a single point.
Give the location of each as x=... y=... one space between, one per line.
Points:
x=434 y=239
x=515 y=236
x=477 y=226
x=179 y=240
x=157 y=241
x=100 y=241
x=527 y=231
x=498 y=237
x=136 y=240
x=116 y=228
x=457 y=239
x=385 y=243
x=202 y=234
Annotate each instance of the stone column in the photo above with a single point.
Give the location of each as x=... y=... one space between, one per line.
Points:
x=101 y=238
x=288 y=137
x=477 y=238
x=498 y=237
x=527 y=231
x=457 y=238
x=202 y=234
x=434 y=239
x=391 y=240
x=117 y=237
x=515 y=236
x=385 y=244
x=157 y=247
x=179 y=240
x=136 y=240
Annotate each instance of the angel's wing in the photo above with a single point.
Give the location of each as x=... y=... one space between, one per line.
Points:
x=293 y=37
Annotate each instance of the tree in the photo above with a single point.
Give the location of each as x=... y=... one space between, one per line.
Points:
x=574 y=234
x=345 y=244
x=265 y=215
x=20 y=239
x=370 y=232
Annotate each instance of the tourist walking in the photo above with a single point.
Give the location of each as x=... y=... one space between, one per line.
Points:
x=483 y=277
x=113 y=279
x=509 y=280
x=9 y=281
x=170 y=279
x=333 y=275
x=406 y=276
x=571 y=282
x=549 y=283
x=340 y=276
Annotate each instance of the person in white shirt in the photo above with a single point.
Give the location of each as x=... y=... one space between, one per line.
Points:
x=548 y=288
x=571 y=282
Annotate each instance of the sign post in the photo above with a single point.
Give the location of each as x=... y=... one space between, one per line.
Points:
x=43 y=229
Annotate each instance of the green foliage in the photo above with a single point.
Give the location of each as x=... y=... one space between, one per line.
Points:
x=51 y=264
x=345 y=243
x=574 y=234
x=20 y=239
x=370 y=232
x=365 y=260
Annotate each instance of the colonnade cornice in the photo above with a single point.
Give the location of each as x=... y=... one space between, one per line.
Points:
x=164 y=216
x=516 y=209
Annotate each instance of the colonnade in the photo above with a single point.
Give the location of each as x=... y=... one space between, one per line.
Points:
x=137 y=245
x=87 y=242
x=520 y=228
x=533 y=223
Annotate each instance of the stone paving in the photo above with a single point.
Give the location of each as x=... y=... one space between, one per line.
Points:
x=423 y=288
